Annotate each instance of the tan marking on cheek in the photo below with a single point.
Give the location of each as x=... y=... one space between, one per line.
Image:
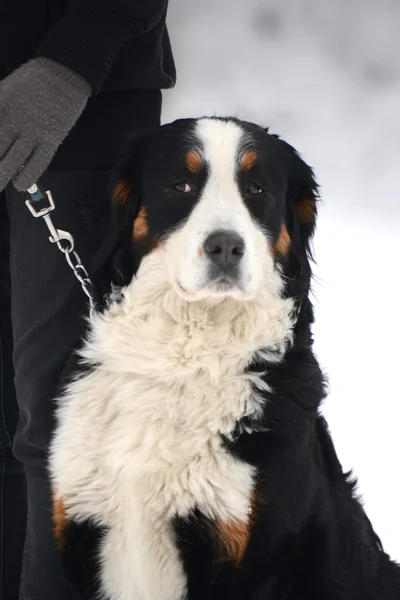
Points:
x=248 y=160
x=193 y=161
x=282 y=244
x=306 y=210
x=121 y=191
x=140 y=225
x=60 y=522
x=234 y=535
x=200 y=252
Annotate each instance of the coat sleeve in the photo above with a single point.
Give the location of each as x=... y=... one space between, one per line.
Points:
x=90 y=34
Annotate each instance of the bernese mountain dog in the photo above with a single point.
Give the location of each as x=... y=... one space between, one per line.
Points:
x=190 y=459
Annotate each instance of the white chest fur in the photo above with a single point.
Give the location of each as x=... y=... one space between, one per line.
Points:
x=139 y=437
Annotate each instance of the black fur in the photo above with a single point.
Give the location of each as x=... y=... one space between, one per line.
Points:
x=310 y=538
x=81 y=548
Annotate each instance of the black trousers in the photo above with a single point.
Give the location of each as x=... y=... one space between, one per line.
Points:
x=42 y=306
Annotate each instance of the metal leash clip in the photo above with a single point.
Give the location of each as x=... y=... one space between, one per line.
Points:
x=41 y=204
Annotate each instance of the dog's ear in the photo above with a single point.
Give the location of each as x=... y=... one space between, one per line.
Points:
x=124 y=193
x=301 y=202
x=301 y=213
x=125 y=182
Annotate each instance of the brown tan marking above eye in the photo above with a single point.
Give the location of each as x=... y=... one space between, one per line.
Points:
x=193 y=161
x=121 y=191
x=248 y=160
x=306 y=210
x=60 y=521
x=282 y=244
x=140 y=225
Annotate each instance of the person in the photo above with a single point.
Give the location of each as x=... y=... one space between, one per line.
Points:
x=76 y=75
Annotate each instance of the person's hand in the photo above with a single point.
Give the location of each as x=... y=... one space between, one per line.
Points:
x=39 y=104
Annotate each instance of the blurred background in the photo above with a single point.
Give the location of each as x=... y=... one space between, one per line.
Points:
x=325 y=75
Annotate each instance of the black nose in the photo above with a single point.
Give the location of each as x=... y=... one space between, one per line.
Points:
x=224 y=248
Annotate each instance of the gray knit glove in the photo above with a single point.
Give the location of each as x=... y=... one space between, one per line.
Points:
x=39 y=104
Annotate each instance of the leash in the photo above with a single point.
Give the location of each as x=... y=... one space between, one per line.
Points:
x=41 y=204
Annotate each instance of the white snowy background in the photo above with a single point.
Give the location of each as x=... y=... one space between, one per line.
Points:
x=325 y=75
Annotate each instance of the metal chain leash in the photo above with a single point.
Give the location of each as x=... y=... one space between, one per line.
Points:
x=41 y=204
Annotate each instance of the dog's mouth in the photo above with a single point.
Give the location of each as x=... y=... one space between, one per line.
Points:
x=224 y=283
x=220 y=286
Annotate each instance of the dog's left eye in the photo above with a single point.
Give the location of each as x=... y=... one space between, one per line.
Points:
x=182 y=187
x=255 y=189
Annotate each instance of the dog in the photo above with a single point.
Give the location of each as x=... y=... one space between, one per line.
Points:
x=190 y=459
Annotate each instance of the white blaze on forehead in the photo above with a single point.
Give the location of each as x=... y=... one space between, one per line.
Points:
x=221 y=205
x=221 y=199
x=221 y=142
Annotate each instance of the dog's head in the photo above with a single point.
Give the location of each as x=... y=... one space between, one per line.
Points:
x=224 y=201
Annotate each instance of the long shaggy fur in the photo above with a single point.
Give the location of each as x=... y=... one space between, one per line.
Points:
x=190 y=459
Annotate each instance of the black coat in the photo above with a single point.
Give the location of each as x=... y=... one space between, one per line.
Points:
x=114 y=44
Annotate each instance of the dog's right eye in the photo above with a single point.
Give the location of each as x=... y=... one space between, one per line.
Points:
x=182 y=187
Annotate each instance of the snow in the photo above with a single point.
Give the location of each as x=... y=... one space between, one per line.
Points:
x=325 y=75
